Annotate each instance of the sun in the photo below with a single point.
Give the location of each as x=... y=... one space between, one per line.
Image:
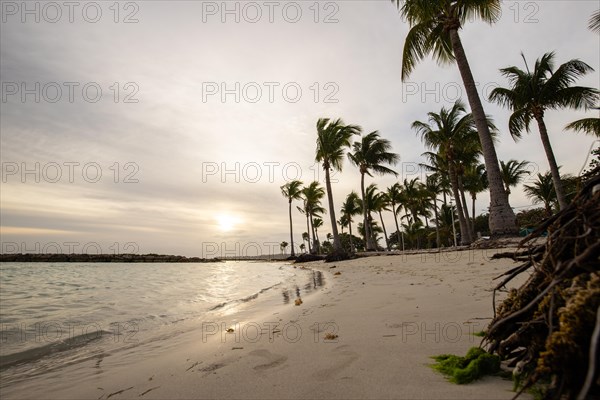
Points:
x=226 y=222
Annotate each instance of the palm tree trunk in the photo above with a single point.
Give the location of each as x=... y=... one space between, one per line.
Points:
x=437 y=223
x=558 y=187
x=367 y=226
x=396 y=220
x=461 y=188
x=474 y=197
x=464 y=230
x=350 y=229
x=293 y=254
x=316 y=244
x=387 y=242
x=502 y=217
x=337 y=244
x=308 y=231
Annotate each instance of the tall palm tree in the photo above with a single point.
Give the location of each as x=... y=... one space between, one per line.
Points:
x=312 y=195
x=433 y=187
x=372 y=153
x=434 y=29
x=513 y=173
x=351 y=207
x=332 y=139
x=542 y=191
x=317 y=223
x=396 y=197
x=381 y=204
x=292 y=191
x=533 y=92
x=449 y=133
x=475 y=183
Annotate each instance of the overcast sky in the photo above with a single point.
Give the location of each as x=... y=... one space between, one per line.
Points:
x=169 y=126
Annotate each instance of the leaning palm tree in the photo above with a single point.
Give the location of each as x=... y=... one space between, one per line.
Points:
x=542 y=191
x=372 y=153
x=434 y=29
x=351 y=207
x=332 y=139
x=449 y=133
x=312 y=208
x=381 y=204
x=533 y=92
x=513 y=172
x=292 y=191
x=396 y=197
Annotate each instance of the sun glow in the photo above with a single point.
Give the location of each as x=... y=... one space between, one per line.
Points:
x=226 y=222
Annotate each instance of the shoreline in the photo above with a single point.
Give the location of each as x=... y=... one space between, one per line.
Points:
x=390 y=315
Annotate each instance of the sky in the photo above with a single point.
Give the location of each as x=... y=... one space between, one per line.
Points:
x=169 y=126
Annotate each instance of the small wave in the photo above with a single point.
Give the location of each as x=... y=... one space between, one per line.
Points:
x=38 y=353
x=244 y=299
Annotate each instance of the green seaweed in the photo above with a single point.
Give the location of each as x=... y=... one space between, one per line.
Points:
x=460 y=370
x=479 y=334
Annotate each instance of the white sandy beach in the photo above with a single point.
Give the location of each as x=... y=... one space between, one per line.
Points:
x=391 y=314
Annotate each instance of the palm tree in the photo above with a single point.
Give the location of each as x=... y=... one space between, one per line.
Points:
x=513 y=173
x=317 y=223
x=475 y=183
x=381 y=204
x=395 y=195
x=370 y=205
x=312 y=194
x=371 y=154
x=433 y=187
x=533 y=92
x=282 y=247
x=542 y=191
x=351 y=207
x=332 y=139
x=450 y=133
x=434 y=29
x=292 y=191
x=306 y=238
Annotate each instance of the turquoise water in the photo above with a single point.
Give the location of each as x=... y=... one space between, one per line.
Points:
x=58 y=314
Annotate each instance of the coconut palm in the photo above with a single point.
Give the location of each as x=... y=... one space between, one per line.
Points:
x=437 y=165
x=292 y=191
x=395 y=195
x=332 y=139
x=312 y=195
x=475 y=183
x=372 y=154
x=451 y=133
x=381 y=204
x=531 y=93
x=317 y=223
x=542 y=191
x=283 y=246
x=370 y=204
x=433 y=187
x=351 y=207
x=434 y=29
x=513 y=172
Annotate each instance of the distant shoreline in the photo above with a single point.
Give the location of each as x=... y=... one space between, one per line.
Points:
x=129 y=258
x=117 y=258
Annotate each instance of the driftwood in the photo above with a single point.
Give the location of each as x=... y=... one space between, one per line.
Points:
x=549 y=328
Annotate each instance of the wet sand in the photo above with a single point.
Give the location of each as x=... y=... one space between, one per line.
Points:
x=369 y=332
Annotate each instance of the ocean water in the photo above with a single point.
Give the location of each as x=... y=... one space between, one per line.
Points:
x=54 y=315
